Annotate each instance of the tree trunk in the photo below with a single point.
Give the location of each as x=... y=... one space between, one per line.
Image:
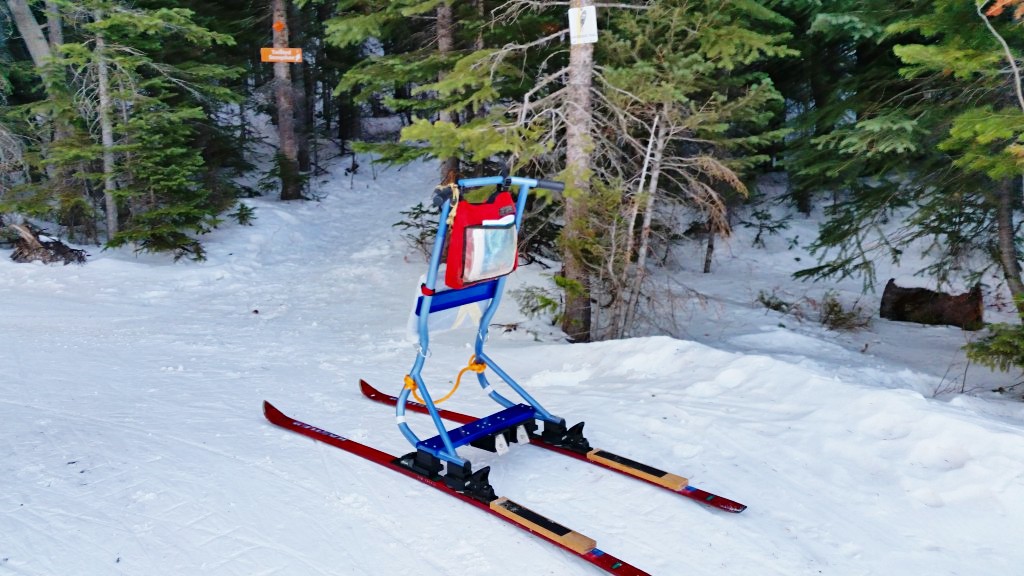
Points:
x=640 y=272
x=579 y=144
x=303 y=90
x=106 y=130
x=325 y=77
x=620 y=306
x=445 y=45
x=288 y=157
x=54 y=25
x=710 y=251
x=1008 y=257
x=31 y=32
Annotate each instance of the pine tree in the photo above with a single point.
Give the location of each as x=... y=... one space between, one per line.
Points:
x=936 y=136
x=139 y=115
x=837 y=46
x=11 y=154
x=879 y=149
x=681 y=80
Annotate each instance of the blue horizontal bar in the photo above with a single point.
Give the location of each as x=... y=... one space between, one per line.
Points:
x=482 y=428
x=454 y=298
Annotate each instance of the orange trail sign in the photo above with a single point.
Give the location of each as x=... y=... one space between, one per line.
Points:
x=281 y=55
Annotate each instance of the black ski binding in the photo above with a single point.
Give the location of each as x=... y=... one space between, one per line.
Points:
x=570 y=439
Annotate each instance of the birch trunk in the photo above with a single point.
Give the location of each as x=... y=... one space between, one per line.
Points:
x=579 y=143
x=106 y=130
x=291 y=185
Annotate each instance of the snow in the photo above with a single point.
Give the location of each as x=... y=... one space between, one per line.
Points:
x=133 y=440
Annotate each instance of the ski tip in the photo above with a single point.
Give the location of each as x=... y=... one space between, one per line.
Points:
x=726 y=505
x=269 y=411
x=366 y=388
x=713 y=500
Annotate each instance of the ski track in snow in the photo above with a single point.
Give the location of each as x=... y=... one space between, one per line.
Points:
x=133 y=441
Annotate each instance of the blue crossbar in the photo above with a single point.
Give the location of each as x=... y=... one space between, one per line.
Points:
x=454 y=298
x=482 y=428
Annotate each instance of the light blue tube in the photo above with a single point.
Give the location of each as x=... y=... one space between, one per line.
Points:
x=449 y=453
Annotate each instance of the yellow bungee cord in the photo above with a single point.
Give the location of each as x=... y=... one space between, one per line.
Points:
x=473 y=365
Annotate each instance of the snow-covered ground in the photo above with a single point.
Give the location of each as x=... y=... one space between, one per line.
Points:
x=133 y=441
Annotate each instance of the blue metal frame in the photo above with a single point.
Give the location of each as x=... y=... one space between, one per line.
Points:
x=442 y=445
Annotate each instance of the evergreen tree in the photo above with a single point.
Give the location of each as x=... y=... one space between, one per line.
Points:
x=918 y=66
x=139 y=115
x=836 y=44
x=682 y=80
x=10 y=147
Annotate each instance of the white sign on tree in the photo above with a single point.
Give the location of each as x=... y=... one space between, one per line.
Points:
x=583 y=25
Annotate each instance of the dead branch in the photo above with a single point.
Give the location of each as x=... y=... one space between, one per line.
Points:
x=30 y=247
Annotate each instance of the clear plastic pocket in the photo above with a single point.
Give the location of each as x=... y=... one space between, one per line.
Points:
x=490 y=250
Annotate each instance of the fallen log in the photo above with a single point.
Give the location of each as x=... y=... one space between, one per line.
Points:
x=925 y=306
x=30 y=246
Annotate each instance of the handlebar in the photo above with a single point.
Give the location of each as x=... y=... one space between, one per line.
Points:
x=443 y=194
x=552 y=185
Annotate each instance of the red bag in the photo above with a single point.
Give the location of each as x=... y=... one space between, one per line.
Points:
x=482 y=242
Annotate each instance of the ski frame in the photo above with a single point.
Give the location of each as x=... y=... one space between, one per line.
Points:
x=569 y=540
x=469 y=294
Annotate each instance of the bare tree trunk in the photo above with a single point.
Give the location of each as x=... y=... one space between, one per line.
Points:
x=640 y=272
x=710 y=252
x=579 y=144
x=325 y=77
x=106 y=130
x=31 y=32
x=291 y=185
x=445 y=45
x=42 y=48
x=620 y=305
x=303 y=90
x=1008 y=256
x=54 y=25
x=38 y=48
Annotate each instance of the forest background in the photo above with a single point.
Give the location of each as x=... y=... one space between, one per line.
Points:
x=127 y=124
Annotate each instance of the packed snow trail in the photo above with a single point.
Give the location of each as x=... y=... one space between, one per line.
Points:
x=132 y=439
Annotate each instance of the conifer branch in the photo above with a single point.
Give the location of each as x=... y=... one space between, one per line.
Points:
x=11 y=151
x=510 y=47
x=514 y=8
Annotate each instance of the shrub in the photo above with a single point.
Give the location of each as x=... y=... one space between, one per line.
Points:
x=773 y=302
x=1002 y=349
x=835 y=316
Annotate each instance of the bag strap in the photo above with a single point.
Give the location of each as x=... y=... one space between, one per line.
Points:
x=455 y=191
x=448 y=192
